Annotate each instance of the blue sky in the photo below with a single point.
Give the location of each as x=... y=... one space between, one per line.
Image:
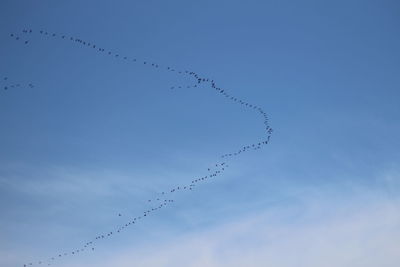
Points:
x=96 y=136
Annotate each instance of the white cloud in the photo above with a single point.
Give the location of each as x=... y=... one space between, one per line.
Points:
x=316 y=227
x=355 y=231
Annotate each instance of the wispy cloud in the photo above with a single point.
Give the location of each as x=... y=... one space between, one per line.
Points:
x=361 y=230
x=315 y=226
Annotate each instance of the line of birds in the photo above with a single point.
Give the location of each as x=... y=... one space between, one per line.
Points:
x=199 y=79
x=161 y=202
x=187 y=86
x=7 y=85
x=163 y=198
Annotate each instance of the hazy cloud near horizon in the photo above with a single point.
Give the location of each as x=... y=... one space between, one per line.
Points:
x=321 y=229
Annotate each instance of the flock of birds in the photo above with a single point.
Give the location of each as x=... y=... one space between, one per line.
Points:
x=10 y=85
x=163 y=198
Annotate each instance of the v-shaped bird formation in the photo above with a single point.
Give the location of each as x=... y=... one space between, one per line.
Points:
x=165 y=197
